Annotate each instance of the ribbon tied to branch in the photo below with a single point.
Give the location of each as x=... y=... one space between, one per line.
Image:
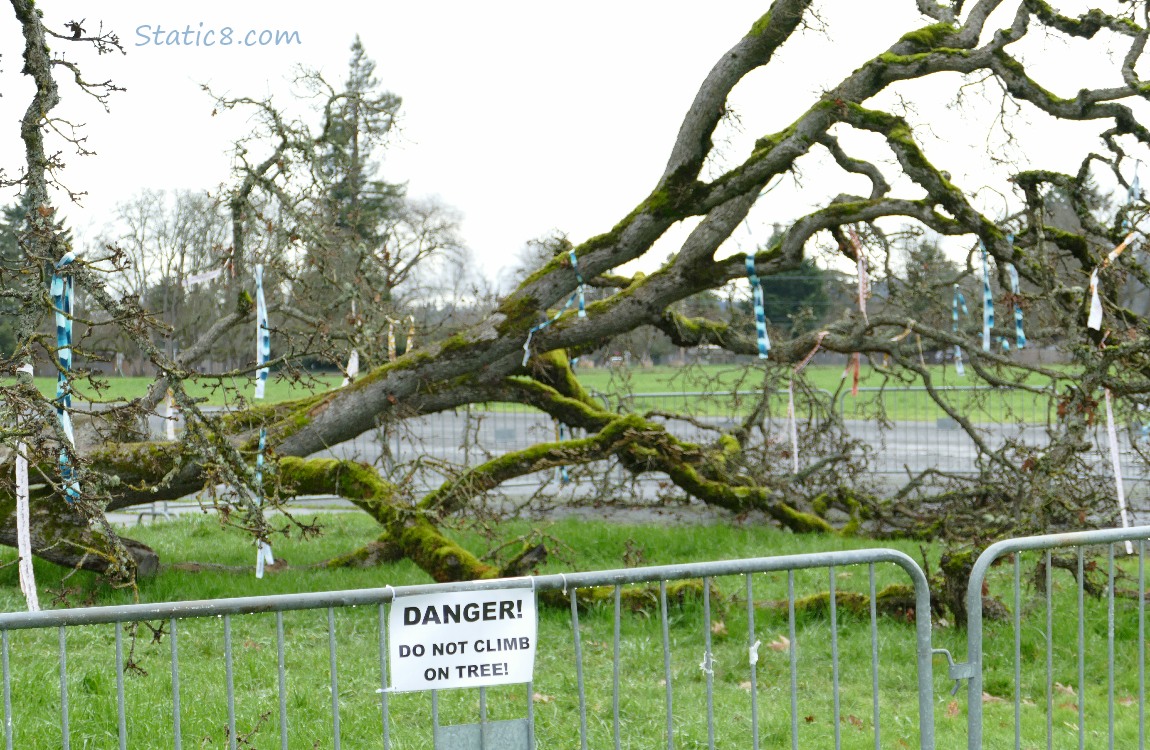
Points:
x=63 y=296
x=760 y=312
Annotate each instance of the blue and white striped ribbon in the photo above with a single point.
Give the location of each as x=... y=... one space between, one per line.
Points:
x=263 y=335
x=263 y=354
x=987 y=300
x=760 y=312
x=576 y=295
x=259 y=478
x=63 y=294
x=1019 y=334
x=959 y=303
x=579 y=278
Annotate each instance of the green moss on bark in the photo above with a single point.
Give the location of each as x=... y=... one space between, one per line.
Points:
x=929 y=37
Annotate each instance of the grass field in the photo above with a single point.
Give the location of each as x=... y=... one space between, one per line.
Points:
x=707 y=388
x=92 y=686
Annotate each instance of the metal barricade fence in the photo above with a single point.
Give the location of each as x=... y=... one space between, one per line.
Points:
x=1087 y=690
x=690 y=667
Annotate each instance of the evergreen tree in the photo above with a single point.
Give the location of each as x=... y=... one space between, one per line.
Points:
x=12 y=222
x=356 y=206
x=357 y=202
x=797 y=300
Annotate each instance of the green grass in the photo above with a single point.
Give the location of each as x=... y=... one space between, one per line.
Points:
x=708 y=386
x=92 y=686
x=750 y=377
x=115 y=388
x=878 y=398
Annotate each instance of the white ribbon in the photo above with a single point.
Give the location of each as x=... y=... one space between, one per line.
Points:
x=23 y=532
x=263 y=555
x=199 y=278
x=1115 y=461
x=1094 y=322
x=794 y=423
x=353 y=358
x=864 y=283
x=352 y=366
x=791 y=399
x=707 y=665
x=170 y=416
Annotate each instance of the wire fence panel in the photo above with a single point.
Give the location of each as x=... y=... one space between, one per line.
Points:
x=742 y=653
x=1056 y=631
x=900 y=429
x=894 y=431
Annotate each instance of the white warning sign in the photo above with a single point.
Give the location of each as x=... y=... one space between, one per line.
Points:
x=462 y=639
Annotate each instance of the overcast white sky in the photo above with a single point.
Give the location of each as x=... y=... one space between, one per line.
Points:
x=525 y=116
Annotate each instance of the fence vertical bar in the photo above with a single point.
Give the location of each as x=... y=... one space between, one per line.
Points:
x=482 y=718
x=231 y=685
x=835 y=661
x=753 y=652
x=615 y=672
x=708 y=663
x=579 y=671
x=1081 y=655
x=1017 y=651
x=874 y=656
x=282 y=680
x=177 y=728
x=383 y=676
x=334 y=677
x=667 y=662
x=1110 y=643
x=121 y=719
x=64 y=689
x=531 y=710
x=7 y=690
x=794 y=659
x=1141 y=644
x=1049 y=652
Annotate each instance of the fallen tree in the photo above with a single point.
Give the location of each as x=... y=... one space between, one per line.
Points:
x=486 y=362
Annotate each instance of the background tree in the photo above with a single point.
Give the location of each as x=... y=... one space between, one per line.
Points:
x=12 y=223
x=797 y=301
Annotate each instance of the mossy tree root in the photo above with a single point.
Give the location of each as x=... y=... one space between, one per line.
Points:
x=409 y=533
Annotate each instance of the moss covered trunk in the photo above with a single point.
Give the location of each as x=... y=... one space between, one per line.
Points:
x=61 y=534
